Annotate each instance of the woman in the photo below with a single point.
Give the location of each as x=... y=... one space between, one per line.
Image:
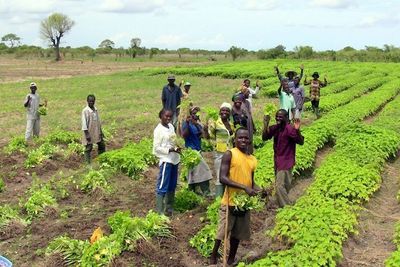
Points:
x=242 y=114
x=165 y=149
x=220 y=132
x=192 y=132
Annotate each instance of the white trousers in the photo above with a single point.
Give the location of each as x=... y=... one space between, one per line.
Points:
x=32 y=127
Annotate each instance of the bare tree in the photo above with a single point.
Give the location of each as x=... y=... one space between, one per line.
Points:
x=54 y=28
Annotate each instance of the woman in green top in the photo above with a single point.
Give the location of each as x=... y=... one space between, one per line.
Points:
x=220 y=132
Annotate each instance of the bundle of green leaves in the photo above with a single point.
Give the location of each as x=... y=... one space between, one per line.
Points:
x=186 y=199
x=42 y=111
x=270 y=109
x=244 y=202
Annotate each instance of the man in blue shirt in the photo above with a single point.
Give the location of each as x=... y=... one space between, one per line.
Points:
x=171 y=98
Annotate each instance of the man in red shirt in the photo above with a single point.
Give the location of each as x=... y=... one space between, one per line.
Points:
x=286 y=136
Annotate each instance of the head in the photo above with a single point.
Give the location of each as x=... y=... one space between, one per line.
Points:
x=193 y=113
x=281 y=117
x=242 y=139
x=245 y=91
x=187 y=87
x=315 y=75
x=290 y=74
x=225 y=111
x=238 y=100
x=165 y=116
x=91 y=99
x=171 y=80
x=246 y=83
x=285 y=85
x=33 y=87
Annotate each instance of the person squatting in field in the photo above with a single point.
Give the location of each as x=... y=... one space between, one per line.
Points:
x=171 y=98
x=286 y=99
x=91 y=127
x=32 y=104
x=165 y=149
x=286 y=136
x=192 y=131
x=315 y=89
x=299 y=97
x=220 y=132
x=237 y=174
x=290 y=75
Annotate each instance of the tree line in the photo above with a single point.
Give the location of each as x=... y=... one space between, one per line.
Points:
x=54 y=28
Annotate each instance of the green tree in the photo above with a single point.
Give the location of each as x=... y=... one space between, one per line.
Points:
x=54 y=28
x=236 y=52
x=12 y=39
x=107 y=43
x=304 y=51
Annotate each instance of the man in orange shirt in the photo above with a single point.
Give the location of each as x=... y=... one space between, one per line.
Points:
x=237 y=174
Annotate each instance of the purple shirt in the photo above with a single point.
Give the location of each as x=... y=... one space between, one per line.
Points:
x=284 y=145
x=298 y=94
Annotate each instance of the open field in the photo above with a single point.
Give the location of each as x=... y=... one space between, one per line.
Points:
x=339 y=169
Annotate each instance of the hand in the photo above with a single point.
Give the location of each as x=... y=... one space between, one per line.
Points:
x=297 y=124
x=88 y=139
x=250 y=191
x=45 y=102
x=302 y=67
x=266 y=120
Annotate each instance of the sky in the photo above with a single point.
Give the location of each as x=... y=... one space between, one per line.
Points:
x=211 y=24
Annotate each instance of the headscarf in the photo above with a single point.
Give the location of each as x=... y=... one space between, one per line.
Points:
x=238 y=96
x=226 y=105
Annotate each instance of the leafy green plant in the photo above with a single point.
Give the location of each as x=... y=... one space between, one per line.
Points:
x=203 y=241
x=75 y=148
x=270 y=109
x=101 y=252
x=39 y=199
x=186 y=199
x=60 y=136
x=37 y=156
x=95 y=179
x=70 y=249
x=211 y=113
x=8 y=215
x=2 y=184
x=17 y=143
x=42 y=111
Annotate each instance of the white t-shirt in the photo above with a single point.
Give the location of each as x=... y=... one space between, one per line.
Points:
x=33 y=107
x=164 y=139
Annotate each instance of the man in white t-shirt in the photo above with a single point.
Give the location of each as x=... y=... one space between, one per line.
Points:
x=32 y=104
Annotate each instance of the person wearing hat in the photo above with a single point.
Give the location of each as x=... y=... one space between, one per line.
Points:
x=220 y=132
x=290 y=74
x=186 y=88
x=315 y=88
x=32 y=104
x=171 y=98
x=192 y=131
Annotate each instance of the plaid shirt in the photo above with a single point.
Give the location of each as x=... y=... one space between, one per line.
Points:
x=315 y=88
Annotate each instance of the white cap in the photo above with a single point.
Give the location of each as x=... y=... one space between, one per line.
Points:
x=226 y=105
x=32 y=84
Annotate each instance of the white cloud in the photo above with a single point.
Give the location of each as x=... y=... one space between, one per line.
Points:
x=132 y=6
x=339 y=4
x=171 y=40
x=255 y=5
x=378 y=20
x=26 y=6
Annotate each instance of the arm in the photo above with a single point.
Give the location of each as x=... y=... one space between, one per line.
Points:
x=224 y=175
x=158 y=147
x=325 y=83
x=278 y=73
x=27 y=101
x=280 y=90
x=301 y=71
x=305 y=81
x=185 y=128
x=268 y=132
x=295 y=133
x=163 y=97
x=85 y=126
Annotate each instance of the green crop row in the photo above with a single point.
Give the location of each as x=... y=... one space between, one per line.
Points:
x=132 y=159
x=316 y=226
x=126 y=231
x=324 y=130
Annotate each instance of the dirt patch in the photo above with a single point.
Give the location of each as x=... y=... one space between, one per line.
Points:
x=376 y=226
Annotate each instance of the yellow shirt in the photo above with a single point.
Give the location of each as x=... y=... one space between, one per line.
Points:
x=220 y=135
x=240 y=171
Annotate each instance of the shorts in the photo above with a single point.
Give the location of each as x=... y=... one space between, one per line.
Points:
x=238 y=226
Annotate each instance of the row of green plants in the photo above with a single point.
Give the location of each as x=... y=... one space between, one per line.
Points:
x=321 y=220
x=325 y=130
x=126 y=231
x=132 y=159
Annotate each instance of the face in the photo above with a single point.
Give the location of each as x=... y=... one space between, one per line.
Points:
x=285 y=86
x=280 y=118
x=91 y=101
x=166 y=117
x=224 y=113
x=237 y=103
x=247 y=83
x=33 y=89
x=290 y=75
x=315 y=77
x=242 y=139
x=171 y=82
x=296 y=81
x=187 y=88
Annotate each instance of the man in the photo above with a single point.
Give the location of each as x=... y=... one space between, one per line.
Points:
x=186 y=88
x=290 y=76
x=91 y=127
x=171 y=98
x=299 y=97
x=286 y=99
x=315 y=88
x=237 y=174
x=286 y=136
x=32 y=104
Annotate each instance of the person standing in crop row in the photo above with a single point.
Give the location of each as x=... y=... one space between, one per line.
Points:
x=32 y=104
x=91 y=127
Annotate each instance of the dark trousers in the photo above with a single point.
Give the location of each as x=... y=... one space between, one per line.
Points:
x=101 y=148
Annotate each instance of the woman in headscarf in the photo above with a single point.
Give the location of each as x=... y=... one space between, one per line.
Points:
x=220 y=132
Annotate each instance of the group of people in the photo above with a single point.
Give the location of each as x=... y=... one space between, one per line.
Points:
x=232 y=138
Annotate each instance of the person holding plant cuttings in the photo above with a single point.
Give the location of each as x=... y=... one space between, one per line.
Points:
x=286 y=137
x=237 y=174
x=220 y=132
x=91 y=127
x=32 y=104
x=192 y=131
x=166 y=150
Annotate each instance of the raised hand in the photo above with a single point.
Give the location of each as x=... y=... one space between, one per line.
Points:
x=297 y=124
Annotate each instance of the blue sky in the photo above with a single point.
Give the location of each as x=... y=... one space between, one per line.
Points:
x=251 y=24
